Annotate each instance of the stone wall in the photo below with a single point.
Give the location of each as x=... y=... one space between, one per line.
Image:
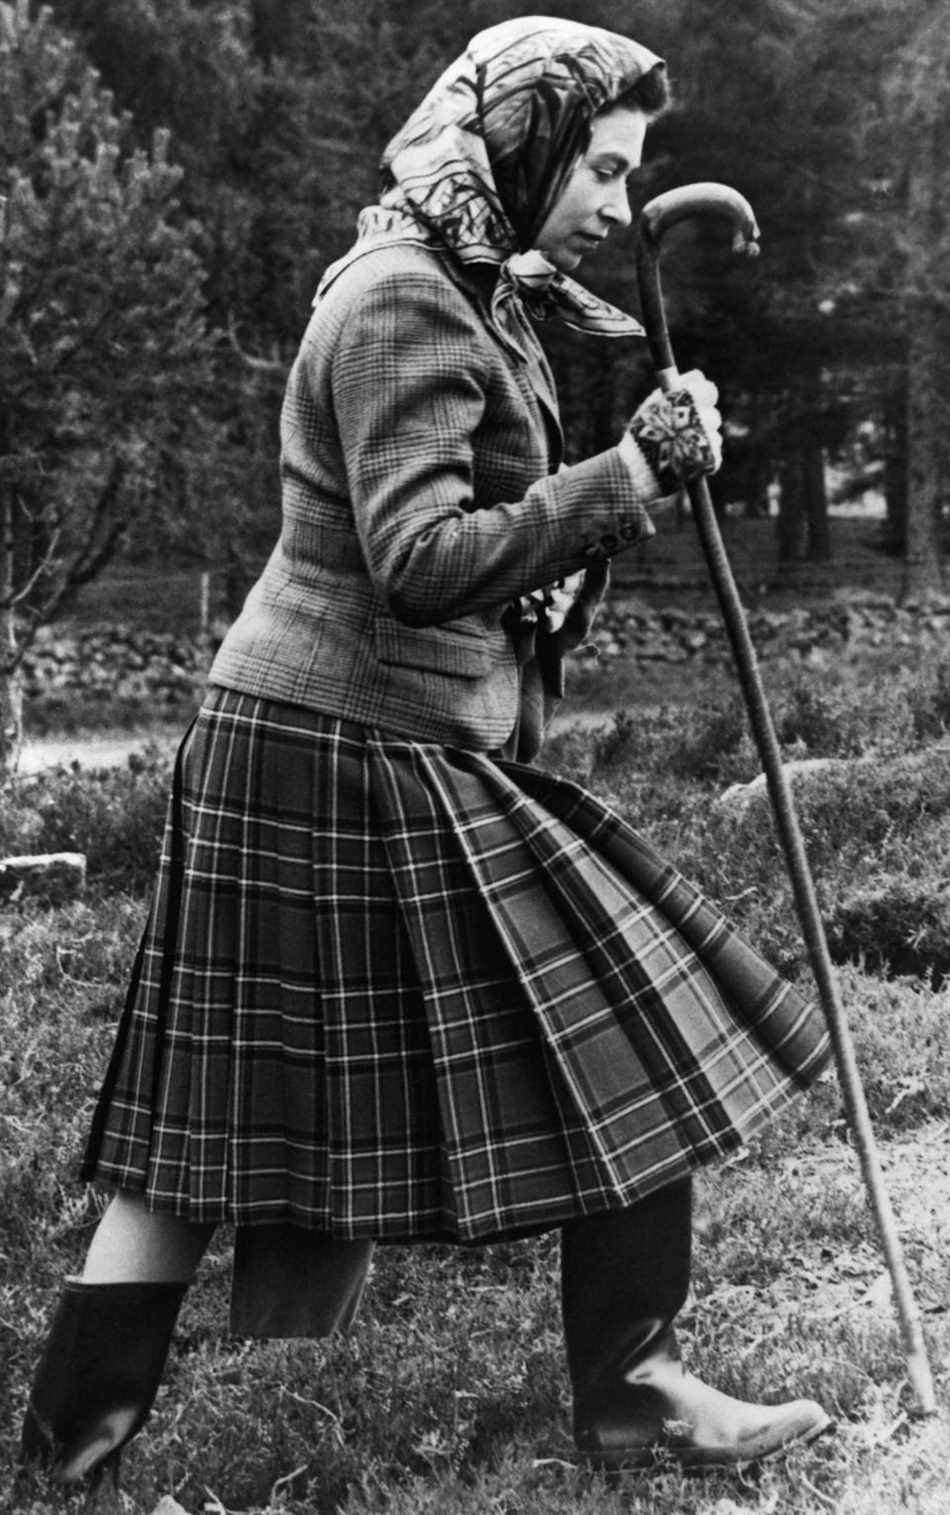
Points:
x=116 y=661
x=813 y=635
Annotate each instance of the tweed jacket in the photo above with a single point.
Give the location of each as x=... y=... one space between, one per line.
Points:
x=420 y=498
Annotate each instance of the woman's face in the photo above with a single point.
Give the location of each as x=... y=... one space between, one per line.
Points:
x=594 y=199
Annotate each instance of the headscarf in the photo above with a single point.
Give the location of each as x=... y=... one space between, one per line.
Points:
x=482 y=160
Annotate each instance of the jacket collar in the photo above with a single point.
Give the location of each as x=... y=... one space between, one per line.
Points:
x=503 y=312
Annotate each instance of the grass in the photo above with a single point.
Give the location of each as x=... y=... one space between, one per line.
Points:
x=450 y=1395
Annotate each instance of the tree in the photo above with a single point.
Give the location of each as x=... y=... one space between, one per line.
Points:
x=103 y=345
x=762 y=109
x=926 y=117
x=277 y=113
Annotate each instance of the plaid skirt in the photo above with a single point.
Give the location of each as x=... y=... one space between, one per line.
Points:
x=395 y=990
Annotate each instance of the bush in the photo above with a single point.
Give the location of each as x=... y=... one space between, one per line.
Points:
x=826 y=720
x=68 y=712
x=836 y=715
x=901 y=926
x=886 y=821
x=115 y=816
x=713 y=743
x=705 y=742
x=902 y=1040
x=928 y=696
x=698 y=729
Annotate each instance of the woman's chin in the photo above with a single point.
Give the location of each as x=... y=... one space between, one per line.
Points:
x=565 y=261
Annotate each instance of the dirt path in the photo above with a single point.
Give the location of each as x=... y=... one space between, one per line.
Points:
x=107 y=751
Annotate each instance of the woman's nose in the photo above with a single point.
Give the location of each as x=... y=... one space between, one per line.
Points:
x=616 y=208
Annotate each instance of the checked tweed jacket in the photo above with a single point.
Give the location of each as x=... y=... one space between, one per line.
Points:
x=418 y=451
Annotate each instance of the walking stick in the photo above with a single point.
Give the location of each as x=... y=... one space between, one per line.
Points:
x=655 y=220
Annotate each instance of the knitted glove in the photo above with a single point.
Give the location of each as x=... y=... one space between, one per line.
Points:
x=679 y=433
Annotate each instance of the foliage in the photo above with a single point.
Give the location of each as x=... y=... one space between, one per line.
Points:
x=702 y=731
x=900 y=925
x=883 y=826
x=876 y=823
x=104 y=343
x=114 y=816
x=102 y=296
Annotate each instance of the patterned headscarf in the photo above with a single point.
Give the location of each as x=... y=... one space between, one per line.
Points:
x=480 y=163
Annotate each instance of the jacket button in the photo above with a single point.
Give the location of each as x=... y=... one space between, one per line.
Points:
x=629 y=530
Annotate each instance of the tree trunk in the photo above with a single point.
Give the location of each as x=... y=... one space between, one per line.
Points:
x=895 y=468
x=816 y=499
x=791 y=525
x=760 y=465
x=926 y=418
x=922 y=575
x=11 y=690
x=757 y=492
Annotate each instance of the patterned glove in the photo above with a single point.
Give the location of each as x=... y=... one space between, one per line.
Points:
x=679 y=440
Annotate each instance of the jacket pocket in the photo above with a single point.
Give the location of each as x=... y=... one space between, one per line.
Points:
x=442 y=649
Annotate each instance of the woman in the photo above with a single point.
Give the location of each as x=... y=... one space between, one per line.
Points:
x=397 y=984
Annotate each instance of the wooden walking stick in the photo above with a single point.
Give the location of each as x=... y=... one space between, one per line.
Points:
x=655 y=220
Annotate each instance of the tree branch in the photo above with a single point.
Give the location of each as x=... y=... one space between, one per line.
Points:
x=92 y=557
x=25 y=590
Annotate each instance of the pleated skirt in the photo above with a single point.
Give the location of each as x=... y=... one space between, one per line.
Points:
x=395 y=990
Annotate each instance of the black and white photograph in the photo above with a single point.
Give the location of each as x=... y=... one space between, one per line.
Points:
x=474 y=757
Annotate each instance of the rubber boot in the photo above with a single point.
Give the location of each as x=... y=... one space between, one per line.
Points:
x=98 y=1375
x=625 y=1275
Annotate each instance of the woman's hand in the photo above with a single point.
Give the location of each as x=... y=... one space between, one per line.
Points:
x=680 y=432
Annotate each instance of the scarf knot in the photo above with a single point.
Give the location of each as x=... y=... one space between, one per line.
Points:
x=543 y=291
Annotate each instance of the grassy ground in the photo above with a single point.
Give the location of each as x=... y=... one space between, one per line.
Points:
x=450 y=1395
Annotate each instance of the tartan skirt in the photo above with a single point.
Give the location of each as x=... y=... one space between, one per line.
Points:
x=397 y=990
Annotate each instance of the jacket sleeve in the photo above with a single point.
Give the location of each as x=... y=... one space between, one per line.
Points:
x=408 y=392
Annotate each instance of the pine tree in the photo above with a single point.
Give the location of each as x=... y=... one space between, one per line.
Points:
x=832 y=118
x=103 y=341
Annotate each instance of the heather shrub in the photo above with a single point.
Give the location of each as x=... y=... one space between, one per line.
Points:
x=928 y=697
x=835 y=714
x=898 y=924
x=877 y=835
x=826 y=719
x=61 y=713
x=115 y=816
x=712 y=743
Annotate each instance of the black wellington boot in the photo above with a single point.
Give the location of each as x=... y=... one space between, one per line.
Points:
x=624 y=1277
x=98 y=1375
